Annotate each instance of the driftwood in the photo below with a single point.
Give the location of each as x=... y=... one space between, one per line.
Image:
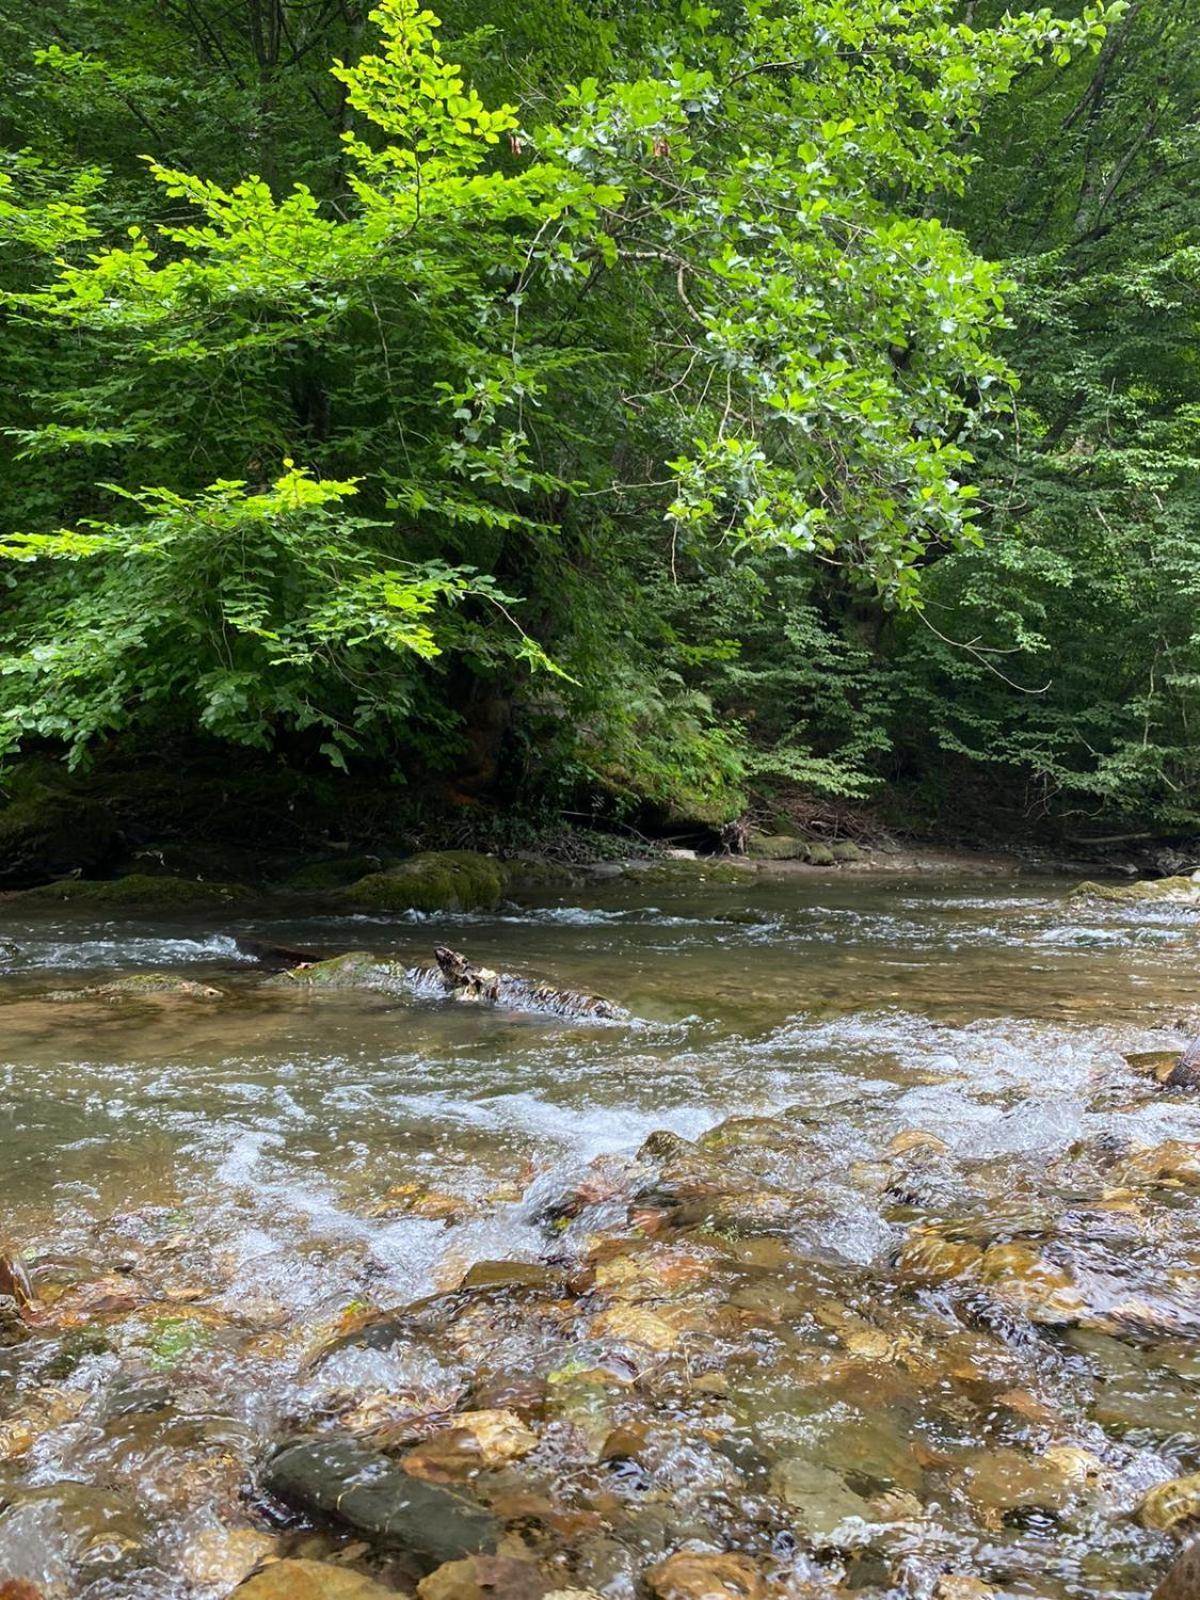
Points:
x=465 y=980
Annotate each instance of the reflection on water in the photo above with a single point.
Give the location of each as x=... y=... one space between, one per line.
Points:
x=201 y=1190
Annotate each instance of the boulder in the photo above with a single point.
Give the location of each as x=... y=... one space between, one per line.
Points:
x=438 y=880
x=486 y=1578
x=338 y=1477
x=777 y=847
x=1170 y=1503
x=356 y=969
x=154 y=987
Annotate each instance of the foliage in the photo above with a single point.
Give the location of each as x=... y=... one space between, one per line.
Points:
x=637 y=385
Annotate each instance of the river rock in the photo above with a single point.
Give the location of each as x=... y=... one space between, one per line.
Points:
x=311 y=1580
x=820 y=1497
x=1171 y=1163
x=1026 y=1282
x=476 y=1439
x=336 y=1476
x=1172 y=1502
x=1147 y=891
x=699 y=1576
x=437 y=880
x=148 y=986
x=219 y=1558
x=354 y=969
x=141 y=892
x=486 y=1578
x=960 y=1586
x=1182 y=1581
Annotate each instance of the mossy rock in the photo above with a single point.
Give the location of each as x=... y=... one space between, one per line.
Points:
x=705 y=869
x=137 y=893
x=152 y=986
x=778 y=847
x=821 y=855
x=1147 y=891
x=336 y=872
x=45 y=829
x=438 y=880
x=846 y=851
x=356 y=969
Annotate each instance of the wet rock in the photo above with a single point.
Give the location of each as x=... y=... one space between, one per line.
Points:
x=1174 y=1162
x=355 y=969
x=705 y=869
x=68 y=1534
x=960 y=1586
x=911 y=1140
x=820 y=1497
x=311 y=1580
x=153 y=987
x=335 y=1476
x=1170 y=1503
x=634 y=1325
x=486 y=1578
x=140 y=892
x=219 y=1558
x=275 y=957
x=1182 y=1580
x=1002 y=1480
x=1025 y=1281
x=476 y=1440
x=515 y=1274
x=700 y=1576
x=845 y=852
x=19 y=1589
x=928 y=1257
x=442 y=880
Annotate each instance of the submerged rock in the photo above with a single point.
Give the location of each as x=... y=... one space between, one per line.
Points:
x=474 y=1439
x=152 y=986
x=701 y=1576
x=311 y=1580
x=438 y=880
x=336 y=1476
x=1169 y=1503
x=356 y=969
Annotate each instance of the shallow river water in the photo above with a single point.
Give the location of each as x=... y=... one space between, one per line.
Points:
x=871 y=1362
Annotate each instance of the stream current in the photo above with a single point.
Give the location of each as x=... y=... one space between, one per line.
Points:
x=911 y=1298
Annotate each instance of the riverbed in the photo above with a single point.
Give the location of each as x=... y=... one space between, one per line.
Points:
x=860 y=1252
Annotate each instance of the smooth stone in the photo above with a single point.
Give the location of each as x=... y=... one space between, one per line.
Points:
x=700 y=1576
x=339 y=1477
x=486 y=1578
x=1182 y=1580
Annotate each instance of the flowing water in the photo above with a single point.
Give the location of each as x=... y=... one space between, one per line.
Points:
x=870 y=1362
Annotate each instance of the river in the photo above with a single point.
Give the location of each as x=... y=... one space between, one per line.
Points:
x=930 y=1319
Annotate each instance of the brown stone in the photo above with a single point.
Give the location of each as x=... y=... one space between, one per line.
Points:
x=310 y=1580
x=689 y=1576
x=486 y=1578
x=1182 y=1580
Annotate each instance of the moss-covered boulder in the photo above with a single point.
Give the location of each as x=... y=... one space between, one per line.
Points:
x=139 y=892
x=438 y=880
x=845 y=852
x=777 y=847
x=536 y=875
x=356 y=969
x=821 y=855
x=46 y=829
x=1146 y=891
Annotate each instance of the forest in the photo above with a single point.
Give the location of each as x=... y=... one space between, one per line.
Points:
x=669 y=414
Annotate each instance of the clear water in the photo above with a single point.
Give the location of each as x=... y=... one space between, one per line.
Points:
x=200 y=1190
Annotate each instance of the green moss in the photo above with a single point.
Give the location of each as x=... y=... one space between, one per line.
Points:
x=529 y=875
x=1185 y=891
x=846 y=851
x=820 y=855
x=439 y=880
x=140 y=892
x=777 y=847
x=356 y=969
x=703 y=870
